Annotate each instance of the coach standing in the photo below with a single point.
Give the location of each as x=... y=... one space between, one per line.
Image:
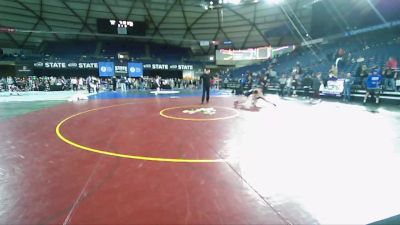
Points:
x=114 y=83
x=206 y=79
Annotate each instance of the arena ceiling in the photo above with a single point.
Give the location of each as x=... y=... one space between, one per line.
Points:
x=177 y=22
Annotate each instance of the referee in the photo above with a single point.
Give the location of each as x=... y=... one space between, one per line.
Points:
x=206 y=79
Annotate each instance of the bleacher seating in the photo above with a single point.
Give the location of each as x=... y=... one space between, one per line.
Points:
x=168 y=54
x=105 y=50
x=135 y=49
x=71 y=49
x=320 y=58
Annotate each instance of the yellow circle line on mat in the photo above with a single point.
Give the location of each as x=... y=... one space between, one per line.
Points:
x=104 y=152
x=162 y=113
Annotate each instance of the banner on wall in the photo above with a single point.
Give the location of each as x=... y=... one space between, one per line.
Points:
x=106 y=69
x=135 y=69
x=66 y=65
x=24 y=70
x=121 y=69
x=333 y=88
x=155 y=66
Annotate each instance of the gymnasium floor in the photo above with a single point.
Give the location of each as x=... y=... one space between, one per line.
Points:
x=139 y=159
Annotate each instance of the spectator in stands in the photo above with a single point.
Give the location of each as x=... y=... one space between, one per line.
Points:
x=249 y=81
x=298 y=68
x=317 y=82
x=324 y=79
x=272 y=75
x=288 y=88
x=195 y=84
x=95 y=84
x=364 y=76
x=114 y=83
x=226 y=81
x=263 y=83
x=307 y=85
x=3 y=84
x=158 y=83
x=390 y=74
x=141 y=82
x=10 y=83
x=122 y=82
x=215 y=82
x=129 y=83
x=295 y=83
x=242 y=81
x=74 y=83
x=135 y=84
x=265 y=72
x=282 y=84
x=348 y=82
x=374 y=81
x=349 y=58
x=88 y=83
x=340 y=53
x=80 y=83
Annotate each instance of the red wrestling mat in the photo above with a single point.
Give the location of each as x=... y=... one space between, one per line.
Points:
x=49 y=181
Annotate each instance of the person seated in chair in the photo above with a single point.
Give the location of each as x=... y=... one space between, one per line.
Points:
x=390 y=74
x=374 y=87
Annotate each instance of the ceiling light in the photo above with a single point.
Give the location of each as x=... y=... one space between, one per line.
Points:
x=235 y=2
x=276 y=2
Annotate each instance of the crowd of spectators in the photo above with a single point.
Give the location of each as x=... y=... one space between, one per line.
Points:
x=91 y=83
x=17 y=84
x=310 y=78
x=305 y=79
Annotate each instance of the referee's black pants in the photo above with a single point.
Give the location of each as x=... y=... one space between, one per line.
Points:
x=206 y=91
